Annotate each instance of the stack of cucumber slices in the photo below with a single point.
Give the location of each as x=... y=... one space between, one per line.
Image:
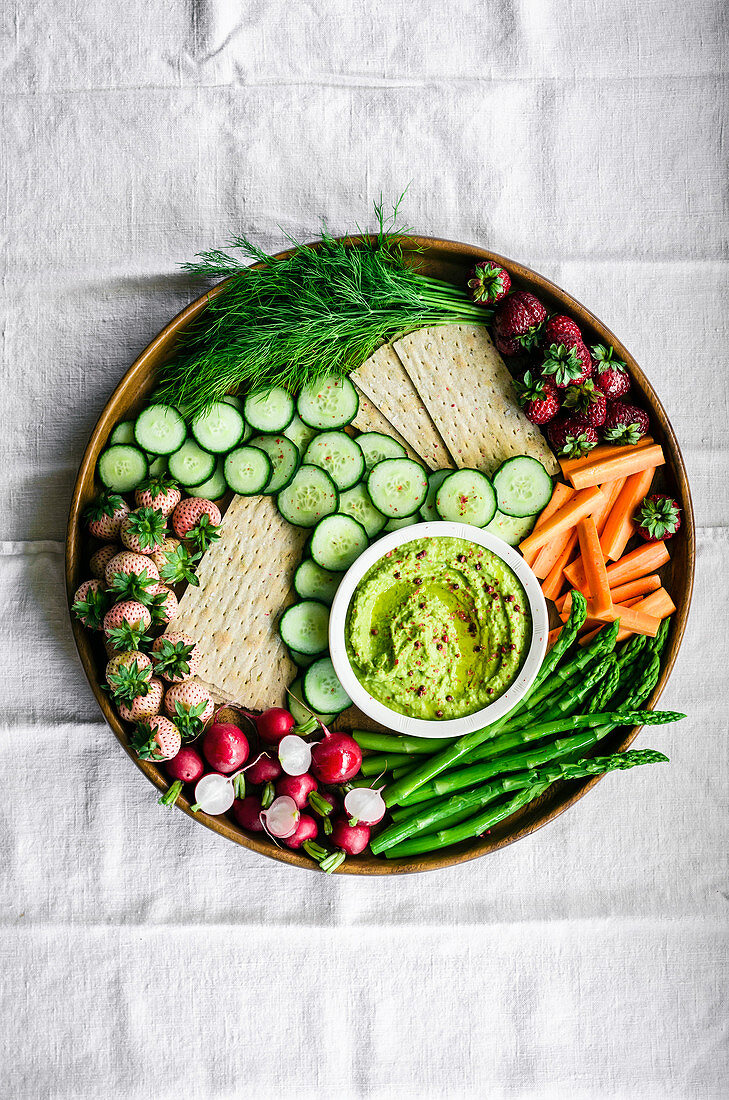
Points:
x=348 y=490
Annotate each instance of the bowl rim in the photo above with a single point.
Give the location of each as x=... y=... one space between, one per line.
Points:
x=468 y=723
x=544 y=810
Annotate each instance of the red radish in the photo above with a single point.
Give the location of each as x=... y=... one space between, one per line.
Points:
x=264 y=769
x=295 y=754
x=187 y=766
x=298 y=787
x=336 y=759
x=352 y=839
x=214 y=794
x=325 y=796
x=307 y=829
x=365 y=805
x=99 y=561
x=281 y=818
x=273 y=724
x=225 y=747
x=247 y=812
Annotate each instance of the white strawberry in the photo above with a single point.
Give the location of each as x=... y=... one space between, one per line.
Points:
x=159 y=554
x=90 y=604
x=142 y=530
x=99 y=561
x=160 y=493
x=175 y=656
x=104 y=517
x=125 y=624
x=164 y=604
x=157 y=739
x=189 y=696
x=131 y=565
x=129 y=675
x=197 y=519
x=127 y=660
x=144 y=706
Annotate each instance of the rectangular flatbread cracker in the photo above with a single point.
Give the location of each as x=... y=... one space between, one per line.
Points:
x=245 y=583
x=384 y=380
x=370 y=419
x=468 y=391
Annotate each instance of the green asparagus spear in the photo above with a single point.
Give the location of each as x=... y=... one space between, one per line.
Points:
x=392 y=743
x=477 y=773
x=607 y=687
x=602 y=644
x=434 y=765
x=535 y=783
x=384 y=762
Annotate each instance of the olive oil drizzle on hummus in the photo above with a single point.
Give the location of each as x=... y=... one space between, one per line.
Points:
x=438 y=628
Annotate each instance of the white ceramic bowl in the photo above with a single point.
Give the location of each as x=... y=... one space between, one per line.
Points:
x=454 y=727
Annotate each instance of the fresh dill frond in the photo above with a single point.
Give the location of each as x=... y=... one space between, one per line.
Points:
x=322 y=309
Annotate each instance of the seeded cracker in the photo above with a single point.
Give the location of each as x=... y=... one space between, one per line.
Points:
x=384 y=380
x=245 y=583
x=370 y=419
x=469 y=394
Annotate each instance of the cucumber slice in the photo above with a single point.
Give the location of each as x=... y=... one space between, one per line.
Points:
x=311 y=495
x=300 y=433
x=523 y=487
x=322 y=688
x=284 y=456
x=511 y=529
x=435 y=480
x=330 y=402
x=247 y=470
x=301 y=660
x=375 y=447
x=305 y=626
x=123 y=433
x=160 y=430
x=296 y=706
x=311 y=582
x=220 y=429
x=235 y=401
x=339 y=455
x=466 y=496
x=337 y=542
x=191 y=465
x=157 y=465
x=269 y=410
x=398 y=524
x=121 y=468
x=397 y=486
x=214 y=488
x=355 y=502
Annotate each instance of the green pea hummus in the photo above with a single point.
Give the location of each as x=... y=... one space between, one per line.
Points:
x=438 y=628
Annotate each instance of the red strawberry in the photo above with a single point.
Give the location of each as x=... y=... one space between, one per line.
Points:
x=561 y=330
x=624 y=424
x=538 y=397
x=99 y=561
x=90 y=604
x=567 y=364
x=129 y=675
x=517 y=322
x=488 y=283
x=144 y=705
x=144 y=529
x=570 y=437
x=588 y=403
x=160 y=493
x=197 y=519
x=610 y=374
x=160 y=553
x=157 y=739
x=658 y=517
x=130 y=564
x=164 y=604
x=105 y=515
x=125 y=624
x=176 y=656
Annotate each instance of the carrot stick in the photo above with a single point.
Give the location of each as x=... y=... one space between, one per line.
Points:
x=612 y=490
x=607 y=469
x=640 y=587
x=553 y=584
x=562 y=493
x=552 y=637
x=632 y=621
x=659 y=603
x=603 y=450
x=566 y=517
x=594 y=566
x=620 y=526
x=547 y=555
x=644 y=559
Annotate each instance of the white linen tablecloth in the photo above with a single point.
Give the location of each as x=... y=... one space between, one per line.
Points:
x=143 y=956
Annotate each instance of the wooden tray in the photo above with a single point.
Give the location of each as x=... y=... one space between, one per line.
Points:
x=446 y=260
